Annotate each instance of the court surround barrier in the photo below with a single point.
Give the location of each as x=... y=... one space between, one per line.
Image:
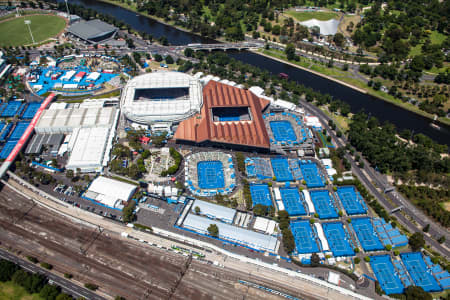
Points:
x=386 y=274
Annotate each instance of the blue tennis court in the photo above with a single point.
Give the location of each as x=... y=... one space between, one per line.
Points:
x=281 y=170
x=311 y=175
x=292 y=201
x=386 y=274
x=11 y=109
x=5 y=132
x=305 y=240
x=324 y=204
x=283 y=131
x=351 y=200
x=18 y=130
x=260 y=194
x=31 y=110
x=419 y=272
x=366 y=234
x=9 y=146
x=210 y=175
x=338 y=240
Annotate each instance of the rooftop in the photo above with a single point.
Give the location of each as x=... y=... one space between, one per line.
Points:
x=92 y=29
x=202 y=128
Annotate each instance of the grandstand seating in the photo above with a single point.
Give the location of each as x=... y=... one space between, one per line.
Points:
x=258 y=167
x=285 y=129
x=295 y=169
x=442 y=276
x=402 y=273
x=419 y=272
x=206 y=187
x=388 y=234
x=366 y=234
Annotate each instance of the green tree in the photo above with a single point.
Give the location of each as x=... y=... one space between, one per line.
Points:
x=91 y=286
x=288 y=240
x=158 y=57
x=7 y=270
x=213 y=230
x=416 y=241
x=169 y=60
x=367 y=258
x=188 y=52
x=339 y=39
x=290 y=51
x=315 y=259
x=197 y=210
x=128 y=212
x=50 y=292
x=416 y=293
x=64 y=296
x=426 y=228
x=69 y=174
x=357 y=260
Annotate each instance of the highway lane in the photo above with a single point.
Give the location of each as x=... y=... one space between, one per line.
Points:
x=381 y=199
x=67 y=286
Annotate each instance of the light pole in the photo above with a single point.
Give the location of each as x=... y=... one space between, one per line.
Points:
x=68 y=12
x=28 y=22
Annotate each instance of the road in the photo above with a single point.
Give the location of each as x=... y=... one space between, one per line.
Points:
x=66 y=285
x=299 y=283
x=395 y=198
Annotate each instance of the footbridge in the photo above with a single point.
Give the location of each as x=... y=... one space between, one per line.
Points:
x=223 y=46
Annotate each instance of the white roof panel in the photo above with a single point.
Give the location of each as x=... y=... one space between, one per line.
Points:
x=112 y=188
x=232 y=233
x=215 y=211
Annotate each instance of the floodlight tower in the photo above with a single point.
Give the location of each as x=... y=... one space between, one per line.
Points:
x=68 y=12
x=28 y=22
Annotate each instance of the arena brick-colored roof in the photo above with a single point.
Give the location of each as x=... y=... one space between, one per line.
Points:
x=201 y=127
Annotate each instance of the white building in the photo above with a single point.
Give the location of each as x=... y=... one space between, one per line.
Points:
x=110 y=192
x=161 y=97
x=88 y=149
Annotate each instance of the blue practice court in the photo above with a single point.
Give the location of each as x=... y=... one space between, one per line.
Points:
x=31 y=110
x=260 y=194
x=311 y=175
x=281 y=170
x=7 y=148
x=210 y=175
x=417 y=269
x=11 y=109
x=324 y=204
x=292 y=201
x=305 y=240
x=351 y=200
x=386 y=274
x=5 y=132
x=366 y=234
x=337 y=238
x=283 y=131
x=18 y=130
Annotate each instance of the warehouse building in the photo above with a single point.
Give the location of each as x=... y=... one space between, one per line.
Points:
x=214 y=211
x=87 y=149
x=65 y=120
x=92 y=31
x=109 y=192
x=50 y=141
x=238 y=235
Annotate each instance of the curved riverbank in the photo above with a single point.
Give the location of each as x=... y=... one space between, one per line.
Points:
x=396 y=102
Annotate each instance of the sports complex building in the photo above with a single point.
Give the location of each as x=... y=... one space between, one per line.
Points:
x=92 y=31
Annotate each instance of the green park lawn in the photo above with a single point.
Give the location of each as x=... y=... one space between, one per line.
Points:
x=306 y=15
x=14 y=32
x=11 y=291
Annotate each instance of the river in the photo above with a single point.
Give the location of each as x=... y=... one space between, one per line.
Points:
x=384 y=111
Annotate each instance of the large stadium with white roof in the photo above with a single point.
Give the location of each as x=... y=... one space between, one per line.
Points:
x=168 y=97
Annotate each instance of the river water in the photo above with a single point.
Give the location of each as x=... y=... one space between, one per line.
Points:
x=380 y=109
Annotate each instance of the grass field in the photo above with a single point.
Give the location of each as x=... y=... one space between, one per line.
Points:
x=14 y=32
x=11 y=291
x=306 y=15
